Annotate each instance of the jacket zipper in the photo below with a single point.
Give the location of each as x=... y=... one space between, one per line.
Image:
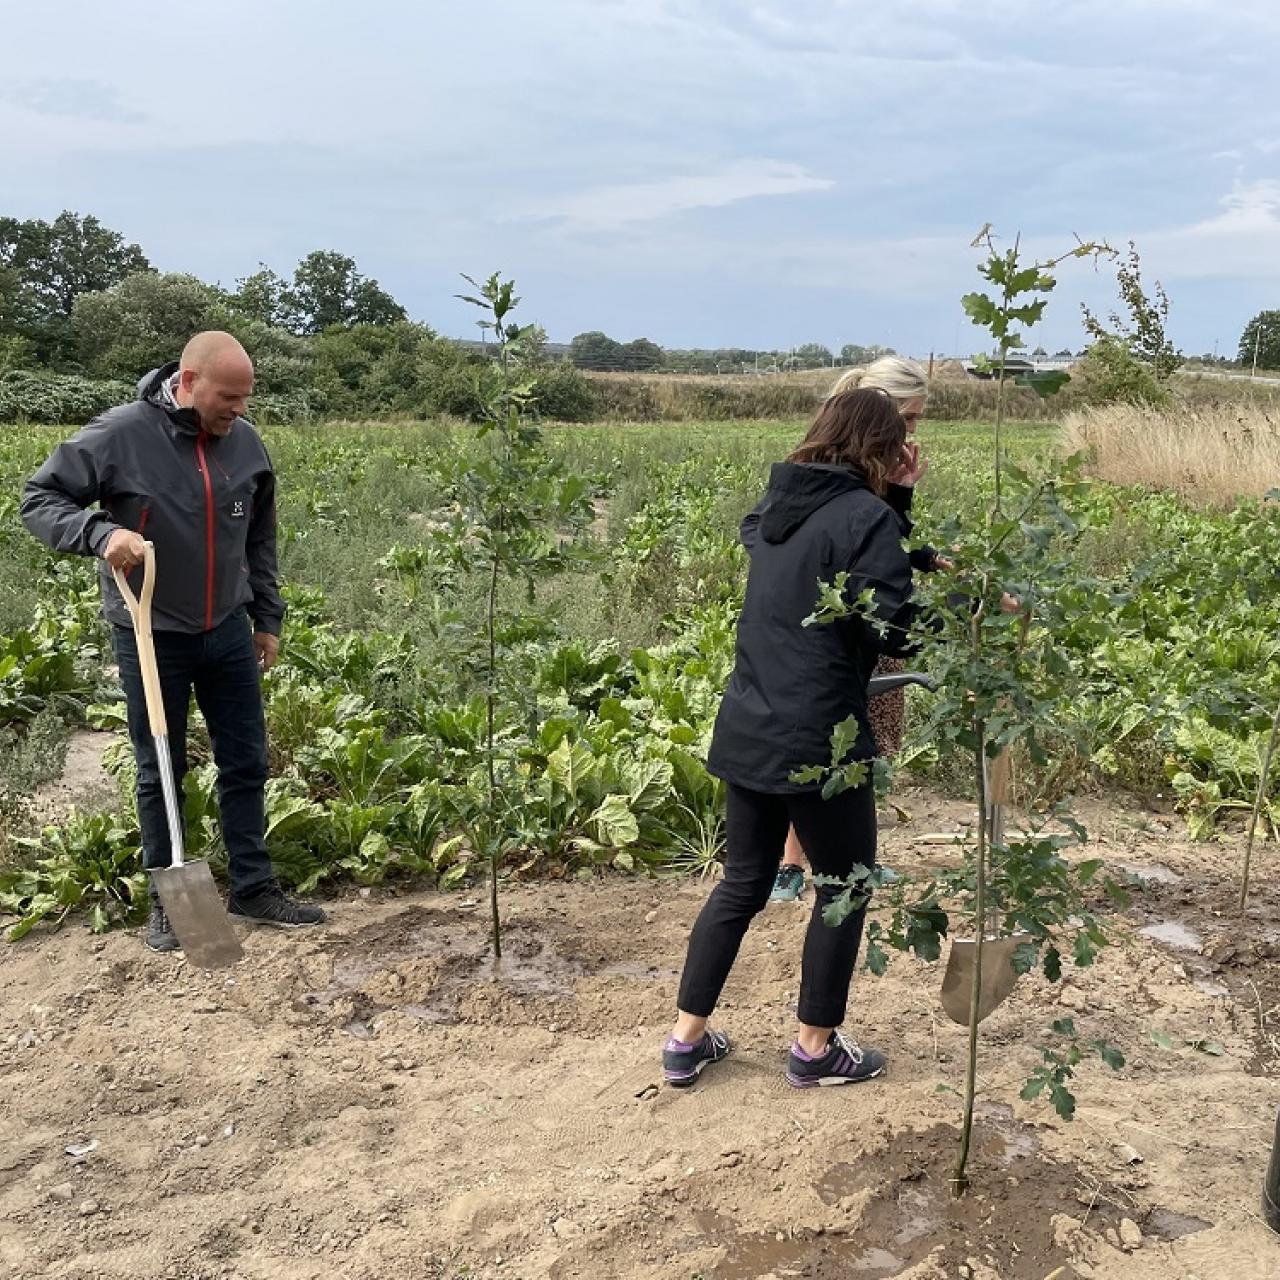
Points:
x=208 y=531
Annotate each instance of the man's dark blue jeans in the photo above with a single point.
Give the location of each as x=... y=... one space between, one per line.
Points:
x=221 y=666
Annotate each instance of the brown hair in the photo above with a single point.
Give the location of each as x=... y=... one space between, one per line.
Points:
x=861 y=427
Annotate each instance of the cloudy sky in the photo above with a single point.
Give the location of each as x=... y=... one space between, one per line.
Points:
x=701 y=174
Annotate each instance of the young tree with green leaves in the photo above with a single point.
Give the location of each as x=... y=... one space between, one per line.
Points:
x=1143 y=332
x=993 y=645
x=514 y=502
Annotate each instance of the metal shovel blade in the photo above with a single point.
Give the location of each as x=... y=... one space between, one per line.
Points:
x=198 y=915
x=998 y=975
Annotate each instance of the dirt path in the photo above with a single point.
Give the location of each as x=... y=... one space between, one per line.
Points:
x=374 y=1101
x=83 y=781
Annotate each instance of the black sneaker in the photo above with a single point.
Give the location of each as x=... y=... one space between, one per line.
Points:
x=682 y=1063
x=843 y=1063
x=272 y=906
x=160 y=935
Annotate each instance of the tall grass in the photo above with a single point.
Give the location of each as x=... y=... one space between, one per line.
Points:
x=1213 y=456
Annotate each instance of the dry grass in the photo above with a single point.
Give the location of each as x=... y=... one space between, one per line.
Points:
x=1212 y=455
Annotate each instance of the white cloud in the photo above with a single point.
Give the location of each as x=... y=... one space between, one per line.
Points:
x=609 y=208
x=1243 y=241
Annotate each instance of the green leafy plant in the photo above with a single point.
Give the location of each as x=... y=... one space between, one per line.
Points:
x=1259 y=801
x=91 y=861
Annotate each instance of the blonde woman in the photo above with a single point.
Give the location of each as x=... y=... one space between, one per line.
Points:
x=905 y=383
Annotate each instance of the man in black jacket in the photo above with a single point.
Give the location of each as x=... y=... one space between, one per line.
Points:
x=181 y=467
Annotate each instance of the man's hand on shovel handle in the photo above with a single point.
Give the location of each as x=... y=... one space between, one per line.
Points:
x=267 y=647
x=124 y=550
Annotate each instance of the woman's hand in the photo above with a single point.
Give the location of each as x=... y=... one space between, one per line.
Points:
x=911 y=467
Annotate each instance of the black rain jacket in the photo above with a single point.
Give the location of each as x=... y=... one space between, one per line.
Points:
x=792 y=684
x=206 y=501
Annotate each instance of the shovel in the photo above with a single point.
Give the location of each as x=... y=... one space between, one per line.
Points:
x=998 y=975
x=190 y=898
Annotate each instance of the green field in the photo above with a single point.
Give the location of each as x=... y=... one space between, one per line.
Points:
x=614 y=671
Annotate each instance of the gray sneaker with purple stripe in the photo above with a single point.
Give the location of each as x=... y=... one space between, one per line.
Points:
x=683 y=1063
x=845 y=1062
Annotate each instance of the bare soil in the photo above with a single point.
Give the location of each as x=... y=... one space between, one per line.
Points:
x=378 y=1099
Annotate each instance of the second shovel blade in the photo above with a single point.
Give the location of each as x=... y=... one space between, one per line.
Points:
x=998 y=975
x=198 y=915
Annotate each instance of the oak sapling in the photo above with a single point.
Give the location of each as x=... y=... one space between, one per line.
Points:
x=1002 y=681
x=513 y=502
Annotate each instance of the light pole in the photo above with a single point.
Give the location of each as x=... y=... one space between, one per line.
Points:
x=1257 y=338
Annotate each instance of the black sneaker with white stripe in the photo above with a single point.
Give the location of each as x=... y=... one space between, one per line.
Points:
x=683 y=1063
x=270 y=905
x=845 y=1062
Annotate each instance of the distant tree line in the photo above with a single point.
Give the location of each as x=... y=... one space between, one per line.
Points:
x=599 y=353
x=84 y=313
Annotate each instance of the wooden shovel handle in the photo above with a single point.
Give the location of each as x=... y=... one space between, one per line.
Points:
x=140 y=612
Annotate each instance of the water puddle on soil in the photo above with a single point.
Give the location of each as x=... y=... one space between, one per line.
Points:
x=634 y=969
x=1151 y=872
x=749 y=1255
x=905 y=1209
x=422 y=962
x=1173 y=934
x=1169 y=1225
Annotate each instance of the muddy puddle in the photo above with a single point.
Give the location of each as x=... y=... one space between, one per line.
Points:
x=902 y=1211
x=1173 y=934
x=1149 y=873
x=423 y=962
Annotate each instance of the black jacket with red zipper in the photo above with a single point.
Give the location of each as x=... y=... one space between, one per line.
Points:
x=206 y=501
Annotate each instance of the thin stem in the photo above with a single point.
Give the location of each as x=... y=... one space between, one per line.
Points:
x=490 y=705
x=1006 y=303
x=1258 y=802
x=959 y=1179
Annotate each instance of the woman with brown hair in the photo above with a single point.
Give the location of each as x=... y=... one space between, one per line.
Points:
x=825 y=512
x=905 y=382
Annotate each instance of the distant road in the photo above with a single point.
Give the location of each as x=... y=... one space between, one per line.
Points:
x=1234 y=377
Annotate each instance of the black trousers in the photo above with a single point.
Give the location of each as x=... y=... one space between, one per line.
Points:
x=837 y=834
x=222 y=667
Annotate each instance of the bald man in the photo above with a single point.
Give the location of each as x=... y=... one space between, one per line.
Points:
x=180 y=467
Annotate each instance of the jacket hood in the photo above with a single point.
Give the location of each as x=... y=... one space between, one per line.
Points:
x=154 y=389
x=797 y=490
x=151 y=385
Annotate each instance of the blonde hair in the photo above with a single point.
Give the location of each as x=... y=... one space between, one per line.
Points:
x=901 y=379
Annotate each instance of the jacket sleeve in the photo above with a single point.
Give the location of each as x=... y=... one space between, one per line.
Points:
x=267 y=606
x=55 y=500
x=881 y=564
x=924 y=559
x=899 y=497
